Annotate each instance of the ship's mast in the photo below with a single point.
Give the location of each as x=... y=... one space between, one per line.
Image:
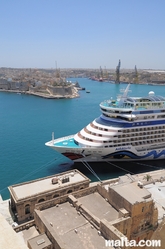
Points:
x=125 y=94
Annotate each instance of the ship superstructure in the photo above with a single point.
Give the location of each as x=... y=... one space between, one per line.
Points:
x=129 y=128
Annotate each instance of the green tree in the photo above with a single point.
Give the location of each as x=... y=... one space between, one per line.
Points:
x=147 y=177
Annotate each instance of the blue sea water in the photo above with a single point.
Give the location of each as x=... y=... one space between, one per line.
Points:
x=27 y=122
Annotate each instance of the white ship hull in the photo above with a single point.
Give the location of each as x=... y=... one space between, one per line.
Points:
x=105 y=154
x=129 y=129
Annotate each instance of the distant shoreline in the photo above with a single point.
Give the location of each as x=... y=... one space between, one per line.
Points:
x=42 y=95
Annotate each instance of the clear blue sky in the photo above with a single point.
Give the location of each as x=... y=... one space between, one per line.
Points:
x=82 y=33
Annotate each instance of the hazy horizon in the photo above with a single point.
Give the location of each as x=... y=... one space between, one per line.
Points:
x=82 y=34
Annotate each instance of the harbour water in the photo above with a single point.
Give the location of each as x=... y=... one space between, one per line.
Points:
x=27 y=122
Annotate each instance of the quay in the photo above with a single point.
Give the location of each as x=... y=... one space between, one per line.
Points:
x=68 y=211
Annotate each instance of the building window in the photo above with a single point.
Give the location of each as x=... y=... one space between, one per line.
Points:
x=41 y=200
x=69 y=191
x=27 y=209
x=55 y=196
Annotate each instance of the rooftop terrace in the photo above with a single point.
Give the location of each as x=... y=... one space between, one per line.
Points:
x=32 y=188
x=67 y=225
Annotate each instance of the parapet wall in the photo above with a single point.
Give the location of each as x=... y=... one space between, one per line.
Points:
x=51 y=203
x=110 y=232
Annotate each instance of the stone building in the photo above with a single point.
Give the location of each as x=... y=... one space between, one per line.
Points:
x=135 y=202
x=70 y=212
x=13 y=85
x=25 y=196
x=4 y=84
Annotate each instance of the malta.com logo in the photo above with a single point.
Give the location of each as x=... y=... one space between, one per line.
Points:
x=124 y=242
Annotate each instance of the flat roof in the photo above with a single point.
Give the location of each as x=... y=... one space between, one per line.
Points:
x=132 y=192
x=39 y=242
x=32 y=188
x=99 y=207
x=158 y=194
x=71 y=227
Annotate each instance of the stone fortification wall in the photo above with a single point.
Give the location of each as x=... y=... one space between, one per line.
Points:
x=38 y=88
x=33 y=89
x=60 y=90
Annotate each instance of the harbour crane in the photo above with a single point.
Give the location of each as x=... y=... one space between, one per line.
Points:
x=118 y=73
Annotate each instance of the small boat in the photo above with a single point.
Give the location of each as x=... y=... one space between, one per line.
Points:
x=87 y=91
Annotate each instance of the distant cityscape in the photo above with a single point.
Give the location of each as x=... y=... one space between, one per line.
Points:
x=53 y=82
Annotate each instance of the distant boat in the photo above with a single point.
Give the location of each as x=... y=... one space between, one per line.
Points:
x=87 y=91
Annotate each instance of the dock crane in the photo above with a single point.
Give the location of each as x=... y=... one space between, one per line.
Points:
x=118 y=73
x=136 y=80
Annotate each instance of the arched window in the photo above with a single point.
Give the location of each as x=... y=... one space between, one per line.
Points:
x=27 y=209
x=55 y=196
x=69 y=191
x=41 y=200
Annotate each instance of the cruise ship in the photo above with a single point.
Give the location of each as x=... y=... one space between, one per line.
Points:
x=129 y=128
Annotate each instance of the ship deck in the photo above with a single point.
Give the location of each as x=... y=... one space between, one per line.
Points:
x=67 y=143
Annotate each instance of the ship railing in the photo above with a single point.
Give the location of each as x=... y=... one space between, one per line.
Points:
x=64 y=138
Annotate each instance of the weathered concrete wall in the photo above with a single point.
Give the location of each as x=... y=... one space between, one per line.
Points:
x=110 y=232
x=117 y=201
x=123 y=225
x=85 y=191
x=88 y=215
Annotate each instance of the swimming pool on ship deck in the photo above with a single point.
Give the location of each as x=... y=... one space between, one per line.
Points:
x=67 y=143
